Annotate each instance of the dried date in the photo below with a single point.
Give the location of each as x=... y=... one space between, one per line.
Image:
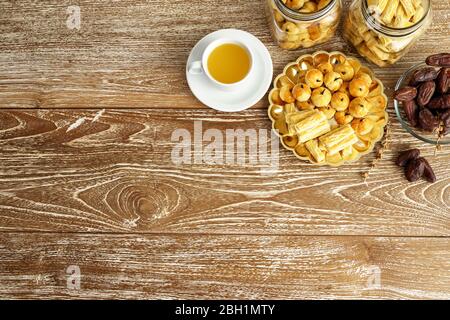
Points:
x=439 y=60
x=407 y=156
x=425 y=93
x=439 y=103
x=411 y=111
x=414 y=170
x=424 y=74
x=445 y=118
x=428 y=172
x=405 y=94
x=415 y=166
x=443 y=80
x=427 y=120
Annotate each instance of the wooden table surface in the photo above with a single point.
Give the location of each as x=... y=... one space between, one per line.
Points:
x=86 y=177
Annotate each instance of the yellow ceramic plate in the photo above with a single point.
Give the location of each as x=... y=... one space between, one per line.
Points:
x=315 y=151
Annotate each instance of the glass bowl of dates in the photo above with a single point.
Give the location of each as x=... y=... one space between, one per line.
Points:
x=422 y=100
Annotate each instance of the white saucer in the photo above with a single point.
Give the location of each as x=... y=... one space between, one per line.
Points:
x=243 y=97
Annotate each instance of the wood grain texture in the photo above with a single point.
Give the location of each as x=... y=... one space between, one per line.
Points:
x=223 y=267
x=86 y=176
x=132 y=54
x=116 y=174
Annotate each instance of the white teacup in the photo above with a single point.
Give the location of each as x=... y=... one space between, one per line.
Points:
x=200 y=67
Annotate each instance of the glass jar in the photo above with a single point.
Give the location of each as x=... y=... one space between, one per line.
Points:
x=302 y=24
x=384 y=35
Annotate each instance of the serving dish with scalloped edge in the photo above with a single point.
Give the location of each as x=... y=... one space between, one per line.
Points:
x=294 y=73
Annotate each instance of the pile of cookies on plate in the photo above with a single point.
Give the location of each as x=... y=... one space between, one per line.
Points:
x=327 y=108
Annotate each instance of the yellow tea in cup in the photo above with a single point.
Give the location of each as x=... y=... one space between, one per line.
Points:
x=229 y=63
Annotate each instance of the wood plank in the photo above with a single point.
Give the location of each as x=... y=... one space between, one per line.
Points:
x=132 y=54
x=115 y=174
x=34 y=265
